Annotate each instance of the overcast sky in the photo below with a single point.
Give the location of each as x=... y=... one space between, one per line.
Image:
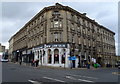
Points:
x=16 y=14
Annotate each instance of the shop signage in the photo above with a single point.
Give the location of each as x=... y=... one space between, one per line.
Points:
x=56 y=46
x=72 y=58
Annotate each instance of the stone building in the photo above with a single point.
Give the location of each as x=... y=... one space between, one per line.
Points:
x=10 y=51
x=2 y=48
x=59 y=35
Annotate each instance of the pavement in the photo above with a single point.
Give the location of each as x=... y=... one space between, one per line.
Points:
x=14 y=73
x=52 y=67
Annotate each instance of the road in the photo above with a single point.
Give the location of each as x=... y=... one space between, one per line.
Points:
x=27 y=74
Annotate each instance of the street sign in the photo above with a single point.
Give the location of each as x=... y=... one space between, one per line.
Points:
x=72 y=58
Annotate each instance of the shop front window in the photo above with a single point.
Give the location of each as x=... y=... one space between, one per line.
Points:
x=38 y=54
x=63 y=58
x=49 y=57
x=56 y=56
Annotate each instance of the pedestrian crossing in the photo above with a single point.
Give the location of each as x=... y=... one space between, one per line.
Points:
x=69 y=78
x=82 y=76
x=57 y=80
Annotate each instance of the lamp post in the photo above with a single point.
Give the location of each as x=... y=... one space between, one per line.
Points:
x=18 y=55
x=41 y=57
x=64 y=54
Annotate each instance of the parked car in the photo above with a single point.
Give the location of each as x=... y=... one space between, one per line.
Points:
x=119 y=64
x=4 y=60
x=4 y=57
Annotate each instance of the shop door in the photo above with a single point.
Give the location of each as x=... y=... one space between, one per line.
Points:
x=79 y=63
x=73 y=63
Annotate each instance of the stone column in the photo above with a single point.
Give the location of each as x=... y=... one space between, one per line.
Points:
x=46 y=56
x=60 y=54
x=42 y=56
x=39 y=58
x=52 y=50
x=67 y=62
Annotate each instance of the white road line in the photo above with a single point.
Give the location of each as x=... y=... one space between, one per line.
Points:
x=70 y=77
x=83 y=76
x=85 y=80
x=31 y=81
x=34 y=82
x=53 y=79
x=116 y=73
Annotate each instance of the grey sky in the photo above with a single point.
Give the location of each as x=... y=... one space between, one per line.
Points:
x=119 y=28
x=16 y=14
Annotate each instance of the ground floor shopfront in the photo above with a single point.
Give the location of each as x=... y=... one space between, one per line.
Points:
x=57 y=55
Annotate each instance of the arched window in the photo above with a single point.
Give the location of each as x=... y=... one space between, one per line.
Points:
x=38 y=54
x=56 y=56
x=49 y=56
x=63 y=56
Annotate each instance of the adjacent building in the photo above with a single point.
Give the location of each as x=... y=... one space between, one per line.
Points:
x=2 y=48
x=10 y=51
x=60 y=36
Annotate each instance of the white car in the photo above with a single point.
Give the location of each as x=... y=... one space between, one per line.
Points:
x=4 y=60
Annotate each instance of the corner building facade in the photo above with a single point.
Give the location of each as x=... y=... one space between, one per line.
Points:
x=57 y=33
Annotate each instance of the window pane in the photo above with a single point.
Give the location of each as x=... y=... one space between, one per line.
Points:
x=56 y=24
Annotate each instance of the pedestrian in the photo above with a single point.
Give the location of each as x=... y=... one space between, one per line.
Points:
x=71 y=66
x=88 y=65
x=33 y=63
x=20 y=62
x=37 y=61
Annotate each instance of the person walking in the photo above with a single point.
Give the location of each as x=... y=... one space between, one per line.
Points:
x=37 y=61
x=20 y=62
x=34 y=63
x=88 y=65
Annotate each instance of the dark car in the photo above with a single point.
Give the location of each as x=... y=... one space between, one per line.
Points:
x=119 y=65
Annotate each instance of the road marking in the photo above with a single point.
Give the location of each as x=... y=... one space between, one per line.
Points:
x=53 y=79
x=85 y=80
x=116 y=73
x=34 y=82
x=70 y=77
x=82 y=76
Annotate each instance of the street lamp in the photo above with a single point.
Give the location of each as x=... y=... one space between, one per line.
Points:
x=64 y=55
x=18 y=56
x=41 y=57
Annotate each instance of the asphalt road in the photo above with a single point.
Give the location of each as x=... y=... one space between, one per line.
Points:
x=14 y=73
